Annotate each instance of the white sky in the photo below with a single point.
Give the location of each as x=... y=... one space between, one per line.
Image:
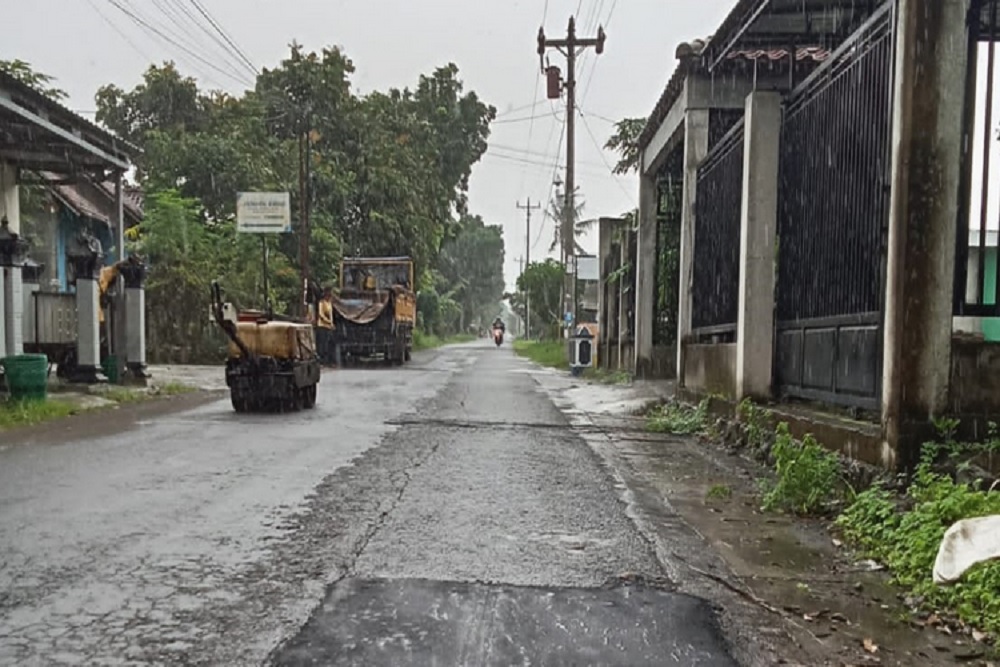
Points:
x=87 y=43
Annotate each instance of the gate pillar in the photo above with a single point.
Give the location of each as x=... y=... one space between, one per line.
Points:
x=927 y=136
x=695 y=150
x=758 y=228
x=645 y=276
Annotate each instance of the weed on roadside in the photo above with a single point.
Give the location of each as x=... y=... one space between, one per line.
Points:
x=757 y=431
x=719 y=492
x=905 y=533
x=28 y=413
x=604 y=376
x=550 y=353
x=123 y=395
x=807 y=475
x=174 y=389
x=678 y=418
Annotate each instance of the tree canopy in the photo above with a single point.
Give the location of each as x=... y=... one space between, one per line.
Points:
x=26 y=74
x=388 y=174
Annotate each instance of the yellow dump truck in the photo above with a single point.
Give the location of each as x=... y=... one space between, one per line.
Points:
x=376 y=309
x=272 y=362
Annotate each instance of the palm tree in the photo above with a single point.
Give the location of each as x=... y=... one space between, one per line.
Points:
x=556 y=211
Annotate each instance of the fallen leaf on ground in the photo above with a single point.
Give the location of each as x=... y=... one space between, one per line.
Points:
x=870 y=645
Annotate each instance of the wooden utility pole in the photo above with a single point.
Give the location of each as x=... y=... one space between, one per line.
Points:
x=527 y=259
x=569 y=47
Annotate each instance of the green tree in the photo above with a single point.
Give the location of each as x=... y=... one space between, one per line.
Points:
x=471 y=266
x=26 y=74
x=542 y=283
x=625 y=142
x=388 y=173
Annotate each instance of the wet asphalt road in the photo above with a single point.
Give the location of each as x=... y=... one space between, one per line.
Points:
x=444 y=514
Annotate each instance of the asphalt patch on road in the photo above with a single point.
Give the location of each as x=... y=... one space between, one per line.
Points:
x=420 y=622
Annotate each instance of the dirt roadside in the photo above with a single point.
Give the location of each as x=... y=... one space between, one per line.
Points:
x=105 y=421
x=836 y=609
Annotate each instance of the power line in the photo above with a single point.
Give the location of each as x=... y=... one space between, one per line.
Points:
x=185 y=34
x=552 y=185
x=215 y=24
x=534 y=102
x=590 y=78
x=184 y=20
x=611 y=169
x=145 y=25
x=526 y=118
x=121 y=34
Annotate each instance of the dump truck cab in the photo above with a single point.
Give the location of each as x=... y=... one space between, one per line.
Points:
x=376 y=310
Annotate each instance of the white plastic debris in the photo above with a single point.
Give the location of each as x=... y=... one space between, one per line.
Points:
x=967 y=543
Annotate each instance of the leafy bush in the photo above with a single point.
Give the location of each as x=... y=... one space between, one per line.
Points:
x=755 y=424
x=807 y=475
x=678 y=418
x=907 y=541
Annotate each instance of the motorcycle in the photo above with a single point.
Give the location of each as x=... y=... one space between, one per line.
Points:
x=498 y=336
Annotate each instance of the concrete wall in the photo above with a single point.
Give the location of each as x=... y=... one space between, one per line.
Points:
x=710 y=369
x=975 y=378
x=664 y=362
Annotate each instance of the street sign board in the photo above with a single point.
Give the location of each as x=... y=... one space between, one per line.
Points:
x=263 y=212
x=587 y=268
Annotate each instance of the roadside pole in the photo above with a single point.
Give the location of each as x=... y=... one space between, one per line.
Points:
x=527 y=261
x=569 y=47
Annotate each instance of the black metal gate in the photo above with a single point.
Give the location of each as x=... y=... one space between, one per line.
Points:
x=716 y=269
x=832 y=222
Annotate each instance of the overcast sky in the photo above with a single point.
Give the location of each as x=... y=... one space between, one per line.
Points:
x=87 y=43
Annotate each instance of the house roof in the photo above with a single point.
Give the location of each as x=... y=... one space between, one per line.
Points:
x=758 y=31
x=80 y=198
x=39 y=133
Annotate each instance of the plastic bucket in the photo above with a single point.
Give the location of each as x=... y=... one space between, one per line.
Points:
x=27 y=376
x=110 y=368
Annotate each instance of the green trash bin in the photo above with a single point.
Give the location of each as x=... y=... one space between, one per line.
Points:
x=110 y=368
x=27 y=376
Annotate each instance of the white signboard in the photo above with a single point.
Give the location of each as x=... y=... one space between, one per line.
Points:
x=587 y=268
x=263 y=212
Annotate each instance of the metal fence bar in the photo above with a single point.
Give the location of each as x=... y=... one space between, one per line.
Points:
x=834 y=163
x=832 y=221
x=715 y=286
x=983 y=28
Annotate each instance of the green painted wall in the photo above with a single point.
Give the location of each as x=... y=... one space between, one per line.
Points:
x=991 y=325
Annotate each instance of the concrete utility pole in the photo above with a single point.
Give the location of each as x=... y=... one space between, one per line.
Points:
x=569 y=47
x=527 y=259
x=305 y=193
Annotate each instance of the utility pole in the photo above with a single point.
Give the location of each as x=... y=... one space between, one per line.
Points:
x=569 y=47
x=527 y=259
x=305 y=192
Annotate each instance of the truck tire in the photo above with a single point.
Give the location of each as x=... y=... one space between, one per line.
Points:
x=240 y=404
x=307 y=397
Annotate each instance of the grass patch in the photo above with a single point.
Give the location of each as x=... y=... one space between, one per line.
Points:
x=678 y=418
x=604 y=376
x=426 y=341
x=28 y=413
x=551 y=353
x=904 y=532
x=174 y=389
x=719 y=492
x=123 y=395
